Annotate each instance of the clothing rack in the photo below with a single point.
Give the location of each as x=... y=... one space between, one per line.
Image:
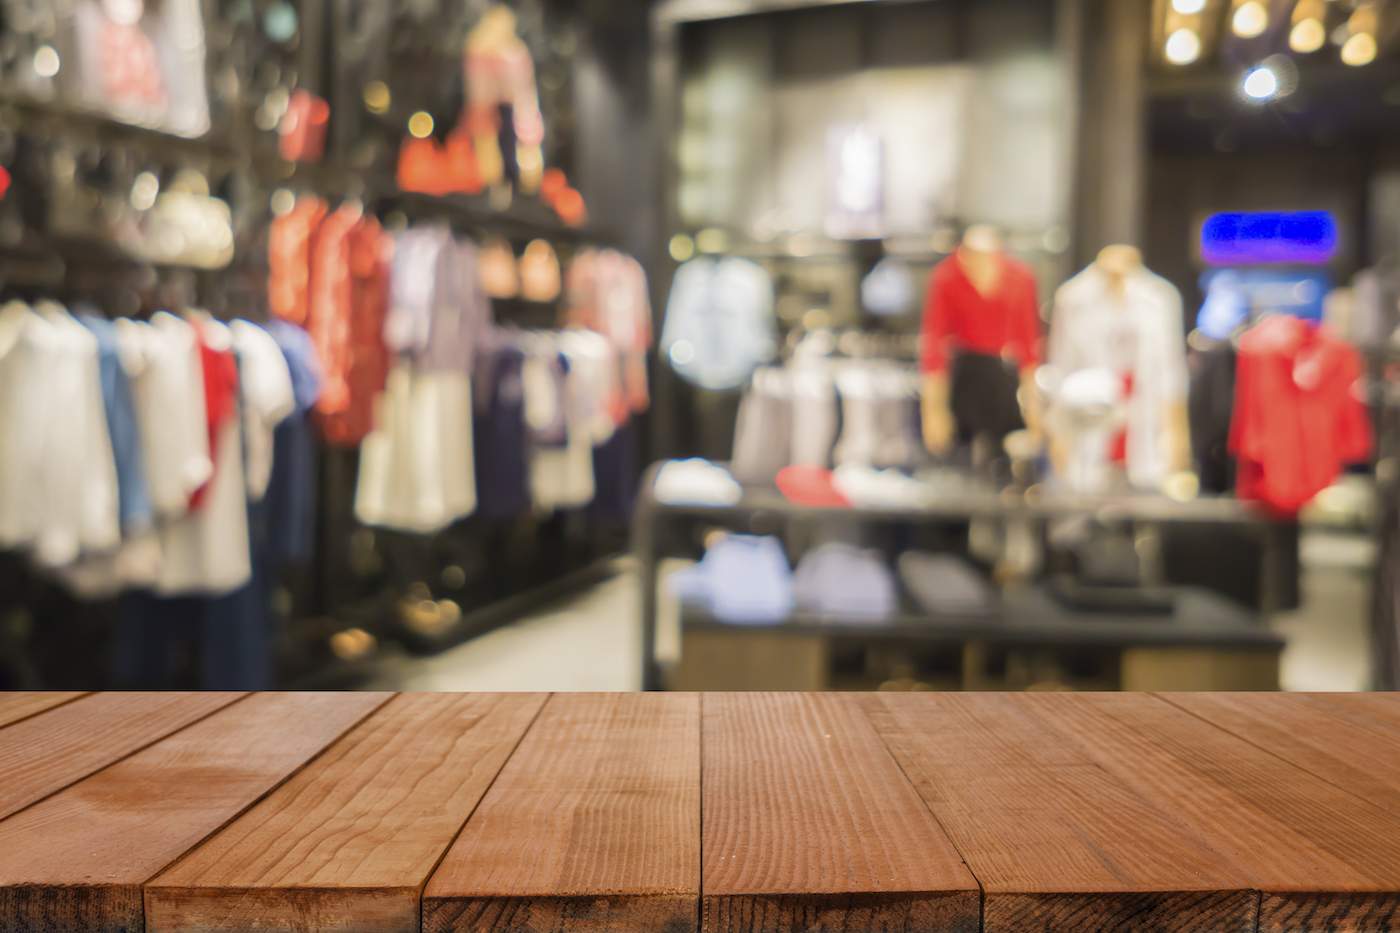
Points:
x=567 y=553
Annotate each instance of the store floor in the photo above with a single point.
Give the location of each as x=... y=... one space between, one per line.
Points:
x=588 y=641
x=591 y=640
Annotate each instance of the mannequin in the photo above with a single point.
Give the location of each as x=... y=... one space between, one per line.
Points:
x=500 y=71
x=980 y=307
x=1144 y=356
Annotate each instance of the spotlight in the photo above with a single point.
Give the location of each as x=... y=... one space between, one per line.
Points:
x=1183 y=47
x=1260 y=84
x=1250 y=18
x=1308 y=33
x=1360 y=46
x=1359 y=49
x=1188 y=7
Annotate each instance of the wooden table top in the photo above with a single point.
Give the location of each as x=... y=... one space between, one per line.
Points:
x=373 y=812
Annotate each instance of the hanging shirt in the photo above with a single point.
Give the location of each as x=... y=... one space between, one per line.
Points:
x=58 y=481
x=1135 y=333
x=417 y=466
x=1299 y=412
x=290 y=245
x=500 y=438
x=349 y=296
x=265 y=394
x=134 y=501
x=437 y=309
x=219 y=369
x=958 y=318
x=76 y=487
x=291 y=491
x=167 y=385
x=606 y=292
x=719 y=322
x=206 y=551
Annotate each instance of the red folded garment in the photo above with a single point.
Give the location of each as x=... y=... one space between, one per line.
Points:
x=808 y=485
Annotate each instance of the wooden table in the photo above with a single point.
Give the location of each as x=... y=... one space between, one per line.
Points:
x=725 y=812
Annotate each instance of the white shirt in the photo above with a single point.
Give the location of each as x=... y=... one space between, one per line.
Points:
x=68 y=469
x=1138 y=331
x=265 y=391
x=206 y=551
x=167 y=387
x=417 y=467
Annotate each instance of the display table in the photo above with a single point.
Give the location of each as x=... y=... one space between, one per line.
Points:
x=1230 y=648
x=727 y=812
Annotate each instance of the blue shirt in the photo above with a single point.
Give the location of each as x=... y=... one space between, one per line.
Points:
x=719 y=322
x=742 y=580
x=133 y=497
x=290 y=501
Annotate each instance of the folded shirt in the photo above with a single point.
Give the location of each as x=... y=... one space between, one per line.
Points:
x=944 y=583
x=696 y=482
x=742 y=580
x=876 y=489
x=840 y=580
x=813 y=486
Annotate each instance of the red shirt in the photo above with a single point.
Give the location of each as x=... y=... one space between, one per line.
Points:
x=1299 y=416
x=220 y=370
x=957 y=316
x=348 y=300
x=291 y=244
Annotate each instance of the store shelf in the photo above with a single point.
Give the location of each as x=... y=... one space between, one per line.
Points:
x=1032 y=618
x=972 y=501
x=525 y=215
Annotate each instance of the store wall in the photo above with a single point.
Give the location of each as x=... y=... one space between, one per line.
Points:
x=967 y=98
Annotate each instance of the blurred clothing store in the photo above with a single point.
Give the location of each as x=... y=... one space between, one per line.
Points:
x=769 y=344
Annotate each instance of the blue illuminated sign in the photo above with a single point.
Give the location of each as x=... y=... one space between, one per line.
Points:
x=1266 y=238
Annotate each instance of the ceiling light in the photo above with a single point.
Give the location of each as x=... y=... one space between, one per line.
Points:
x=1250 y=19
x=1260 y=84
x=1307 y=36
x=1359 y=49
x=1183 y=47
x=421 y=124
x=1308 y=33
x=46 y=61
x=1188 y=7
x=1360 y=46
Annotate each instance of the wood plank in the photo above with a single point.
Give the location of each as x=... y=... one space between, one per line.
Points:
x=77 y=860
x=17 y=706
x=349 y=841
x=48 y=752
x=1351 y=740
x=810 y=825
x=1056 y=842
x=594 y=824
x=1348 y=741
x=1313 y=849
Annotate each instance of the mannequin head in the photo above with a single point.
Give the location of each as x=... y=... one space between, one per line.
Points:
x=1119 y=260
x=982 y=238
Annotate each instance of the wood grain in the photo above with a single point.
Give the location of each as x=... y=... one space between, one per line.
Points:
x=1056 y=842
x=99 y=840
x=48 y=752
x=809 y=824
x=594 y=824
x=1291 y=833
x=1352 y=740
x=1348 y=743
x=349 y=841
x=17 y=706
